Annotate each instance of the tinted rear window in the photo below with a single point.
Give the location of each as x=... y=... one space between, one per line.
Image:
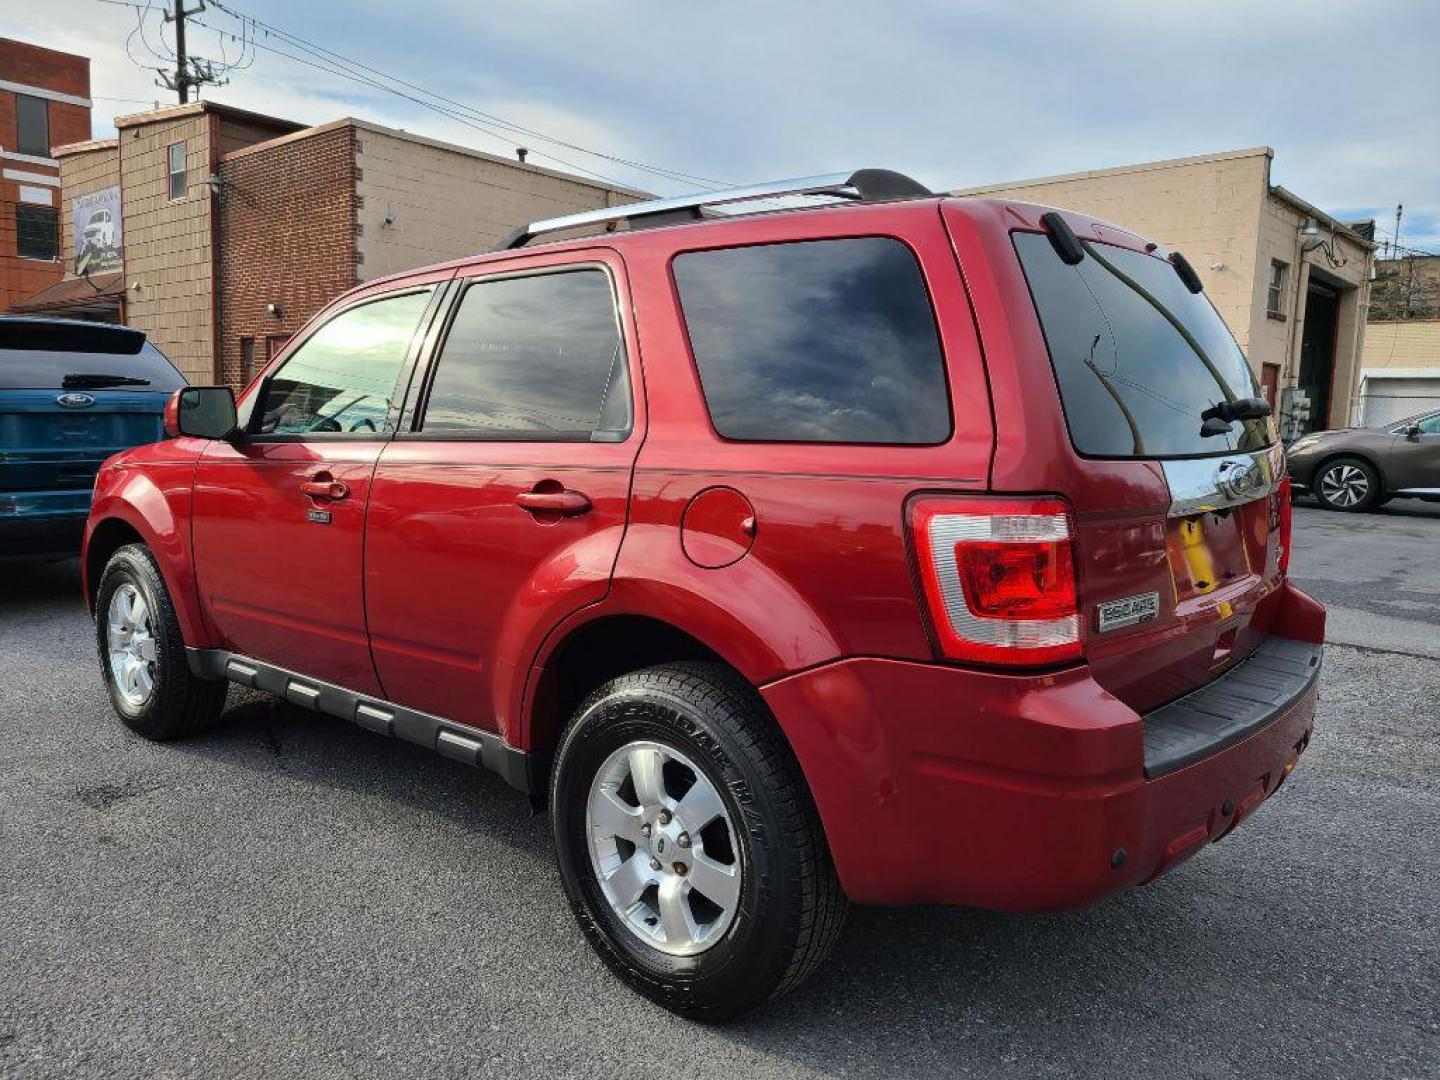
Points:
x=824 y=341
x=53 y=356
x=1130 y=382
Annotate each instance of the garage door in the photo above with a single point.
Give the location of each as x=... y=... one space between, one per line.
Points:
x=1384 y=400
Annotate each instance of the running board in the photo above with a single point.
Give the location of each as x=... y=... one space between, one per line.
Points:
x=455 y=741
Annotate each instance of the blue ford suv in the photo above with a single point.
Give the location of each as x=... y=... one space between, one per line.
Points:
x=71 y=394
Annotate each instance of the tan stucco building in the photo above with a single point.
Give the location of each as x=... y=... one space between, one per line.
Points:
x=1291 y=281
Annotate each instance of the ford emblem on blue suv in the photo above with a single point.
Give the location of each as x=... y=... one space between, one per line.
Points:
x=75 y=401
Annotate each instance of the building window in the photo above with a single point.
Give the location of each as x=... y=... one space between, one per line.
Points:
x=1276 y=296
x=32 y=122
x=176 y=158
x=247 y=360
x=37 y=232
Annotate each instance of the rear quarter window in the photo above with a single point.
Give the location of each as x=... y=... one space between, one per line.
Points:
x=827 y=341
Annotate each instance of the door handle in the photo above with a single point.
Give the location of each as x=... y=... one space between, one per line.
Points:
x=565 y=503
x=326 y=488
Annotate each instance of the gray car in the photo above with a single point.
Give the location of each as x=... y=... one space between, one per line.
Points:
x=1360 y=468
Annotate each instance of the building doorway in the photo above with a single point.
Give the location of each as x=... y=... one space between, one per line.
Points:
x=1317 y=354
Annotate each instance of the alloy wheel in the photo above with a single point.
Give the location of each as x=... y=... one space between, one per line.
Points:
x=663 y=848
x=1344 y=485
x=131 y=645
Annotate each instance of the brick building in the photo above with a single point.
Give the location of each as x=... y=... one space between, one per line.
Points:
x=306 y=216
x=44 y=103
x=1291 y=281
x=235 y=228
x=149 y=191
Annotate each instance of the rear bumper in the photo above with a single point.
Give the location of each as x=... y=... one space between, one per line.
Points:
x=52 y=527
x=1023 y=792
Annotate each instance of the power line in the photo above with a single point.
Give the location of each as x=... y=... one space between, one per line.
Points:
x=460 y=117
x=339 y=60
x=331 y=62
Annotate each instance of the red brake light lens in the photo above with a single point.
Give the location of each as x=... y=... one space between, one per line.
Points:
x=1017 y=581
x=999 y=578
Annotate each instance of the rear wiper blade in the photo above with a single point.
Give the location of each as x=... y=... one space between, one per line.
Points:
x=99 y=382
x=1249 y=408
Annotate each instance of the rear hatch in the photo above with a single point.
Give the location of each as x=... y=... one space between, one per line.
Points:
x=72 y=394
x=1177 y=529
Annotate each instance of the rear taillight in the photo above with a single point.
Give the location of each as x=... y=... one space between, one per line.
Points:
x=1284 y=516
x=999 y=578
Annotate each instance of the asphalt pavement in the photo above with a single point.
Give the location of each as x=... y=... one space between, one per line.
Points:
x=288 y=896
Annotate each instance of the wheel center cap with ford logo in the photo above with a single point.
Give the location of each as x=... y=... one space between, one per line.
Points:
x=75 y=401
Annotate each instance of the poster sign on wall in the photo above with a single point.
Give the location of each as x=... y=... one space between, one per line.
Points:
x=95 y=224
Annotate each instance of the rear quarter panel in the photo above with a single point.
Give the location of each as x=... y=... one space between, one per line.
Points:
x=828 y=573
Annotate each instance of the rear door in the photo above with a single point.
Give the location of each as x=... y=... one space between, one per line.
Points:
x=279 y=515
x=500 y=508
x=72 y=394
x=1176 y=530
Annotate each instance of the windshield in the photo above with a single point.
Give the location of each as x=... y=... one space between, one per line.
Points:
x=1137 y=356
x=63 y=356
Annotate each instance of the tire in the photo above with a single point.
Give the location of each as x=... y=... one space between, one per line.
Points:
x=151 y=687
x=1348 y=483
x=770 y=929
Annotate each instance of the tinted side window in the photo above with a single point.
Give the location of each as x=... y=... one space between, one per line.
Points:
x=539 y=356
x=822 y=341
x=342 y=379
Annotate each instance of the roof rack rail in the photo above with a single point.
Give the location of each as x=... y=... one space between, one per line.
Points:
x=863 y=185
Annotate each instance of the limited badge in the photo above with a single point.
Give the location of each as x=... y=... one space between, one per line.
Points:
x=1113 y=614
x=318 y=517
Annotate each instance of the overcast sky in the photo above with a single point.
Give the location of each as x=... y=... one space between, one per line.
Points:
x=955 y=93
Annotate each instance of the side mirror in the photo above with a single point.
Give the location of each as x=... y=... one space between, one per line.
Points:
x=205 y=412
x=1413 y=431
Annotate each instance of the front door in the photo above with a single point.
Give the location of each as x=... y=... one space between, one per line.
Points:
x=1317 y=354
x=500 y=510
x=279 y=514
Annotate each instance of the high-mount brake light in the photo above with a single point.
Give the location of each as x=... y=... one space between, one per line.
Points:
x=999 y=578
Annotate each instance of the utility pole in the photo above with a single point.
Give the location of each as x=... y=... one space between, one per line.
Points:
x=182 y=76
x=189 y=70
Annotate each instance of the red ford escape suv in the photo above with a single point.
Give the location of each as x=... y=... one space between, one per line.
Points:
x=900 y=549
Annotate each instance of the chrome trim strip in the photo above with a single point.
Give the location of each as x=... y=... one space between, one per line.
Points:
x=1198 y=485
x=1418 y=491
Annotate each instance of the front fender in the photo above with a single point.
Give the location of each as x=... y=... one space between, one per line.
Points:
x=155 y=502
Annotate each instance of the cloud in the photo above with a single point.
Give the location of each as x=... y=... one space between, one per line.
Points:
x=957 y=92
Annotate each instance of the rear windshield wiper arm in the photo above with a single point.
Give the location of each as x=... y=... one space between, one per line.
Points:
x=1218 y=418
x=99 y=382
